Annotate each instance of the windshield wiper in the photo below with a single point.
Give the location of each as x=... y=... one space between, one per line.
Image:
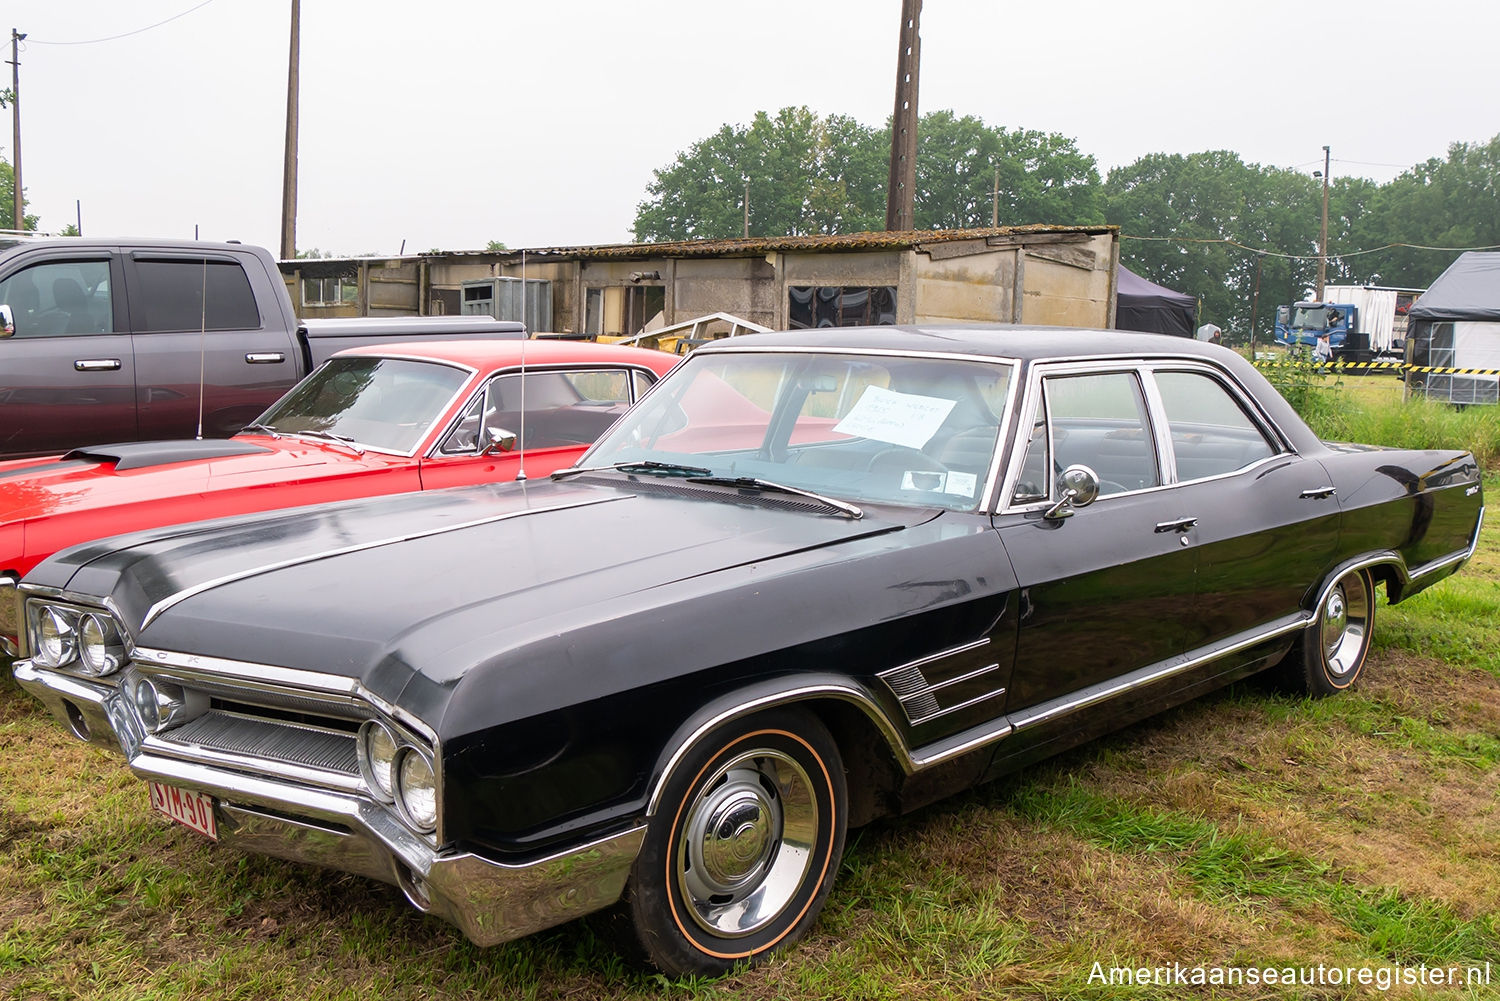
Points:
x=756 y=483
x=339 y=439
x=263 y=429
x=637 y=465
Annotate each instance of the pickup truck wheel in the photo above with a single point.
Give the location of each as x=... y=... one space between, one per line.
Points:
x=743 y=850
x=1332 y=651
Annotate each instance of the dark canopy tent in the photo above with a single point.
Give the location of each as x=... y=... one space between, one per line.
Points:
x=1150 y=308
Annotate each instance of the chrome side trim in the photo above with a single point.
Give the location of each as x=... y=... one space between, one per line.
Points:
x=10 y=616
x=843 y=691
x=1073 y=701
x=161 y=606
x=1462 y=556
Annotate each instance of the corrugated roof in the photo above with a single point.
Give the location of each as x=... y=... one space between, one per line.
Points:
x=755 y=246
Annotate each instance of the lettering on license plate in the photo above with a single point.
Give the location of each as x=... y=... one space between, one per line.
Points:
x=191 y=809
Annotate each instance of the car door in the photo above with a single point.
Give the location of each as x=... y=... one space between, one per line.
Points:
x=555 y=415
x=67 y=376
x=201 y=344
x=1263 y=520
x=1109 y=589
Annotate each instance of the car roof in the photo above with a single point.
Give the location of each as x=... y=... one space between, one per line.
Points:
x=1026 y=343
x=485 y=353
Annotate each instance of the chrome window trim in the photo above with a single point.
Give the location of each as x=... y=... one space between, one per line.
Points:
x=1145 y=368
x=986 y=499
x=434 y=445
x=427 y=432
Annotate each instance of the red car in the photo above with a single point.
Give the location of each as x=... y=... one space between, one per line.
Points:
x=375 y=420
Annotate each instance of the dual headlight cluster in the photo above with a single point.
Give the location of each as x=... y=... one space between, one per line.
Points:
x=399 y=771
x=61 y=637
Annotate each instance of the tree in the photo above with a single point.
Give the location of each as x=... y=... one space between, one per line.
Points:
x=494 y=247
x=1182 y=217
x=7 y=194
x=804 y=174
x=808 y=174
x=1439 y=203
x=1043 y=178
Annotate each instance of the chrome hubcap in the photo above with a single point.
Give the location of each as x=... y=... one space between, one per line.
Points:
x=1346 y=614
x=747 y=843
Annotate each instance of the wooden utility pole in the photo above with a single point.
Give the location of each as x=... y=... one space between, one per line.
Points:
x=995 y=201
x=289 y=166
x=900 y=189
x=1323 y=231
x=19 y=222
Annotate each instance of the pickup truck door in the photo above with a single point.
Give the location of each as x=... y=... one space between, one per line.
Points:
x=231 y=354
x=68 y=373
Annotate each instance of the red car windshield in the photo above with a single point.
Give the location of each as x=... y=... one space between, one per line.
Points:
x=387 y=404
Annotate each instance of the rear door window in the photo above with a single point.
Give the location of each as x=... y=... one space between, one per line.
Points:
x=177 y=295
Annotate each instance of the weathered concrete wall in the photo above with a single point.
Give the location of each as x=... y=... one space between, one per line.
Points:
x=977 y=288
x=1069 y=285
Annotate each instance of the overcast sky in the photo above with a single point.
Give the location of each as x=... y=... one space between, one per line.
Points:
x=451 y=123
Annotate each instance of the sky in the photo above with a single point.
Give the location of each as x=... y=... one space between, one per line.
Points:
x=448 y=124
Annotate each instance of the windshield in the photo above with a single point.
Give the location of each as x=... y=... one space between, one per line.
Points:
x=386 y=404
x=1315 y=318
x=916 y=431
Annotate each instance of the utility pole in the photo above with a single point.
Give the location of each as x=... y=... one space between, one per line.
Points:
x=747 y=208
x=995 y=201
x=900 y=189
x=15 y=117
x=289 y=166
x=1323 y=231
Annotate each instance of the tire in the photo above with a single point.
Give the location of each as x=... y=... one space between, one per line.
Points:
x=1331 y=653
x=744 y=847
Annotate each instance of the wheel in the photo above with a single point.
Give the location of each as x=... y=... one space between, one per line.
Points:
x=1332 y=651
x=744 y=847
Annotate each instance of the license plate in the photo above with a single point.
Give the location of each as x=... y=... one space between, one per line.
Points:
x=191 y=809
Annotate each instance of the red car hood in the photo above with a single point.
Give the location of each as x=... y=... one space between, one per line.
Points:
x=59 y=501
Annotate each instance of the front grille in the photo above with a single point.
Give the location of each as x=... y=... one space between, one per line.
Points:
x=268 y=740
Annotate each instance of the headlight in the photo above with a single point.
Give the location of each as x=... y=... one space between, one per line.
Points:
x=377 y=758
x=55 y=638
x=416 y=789
x=160 y=704
x=99 y=646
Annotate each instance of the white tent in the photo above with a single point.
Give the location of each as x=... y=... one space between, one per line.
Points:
x=1456 y=324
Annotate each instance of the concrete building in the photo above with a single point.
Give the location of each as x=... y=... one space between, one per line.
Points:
x=1052 y=275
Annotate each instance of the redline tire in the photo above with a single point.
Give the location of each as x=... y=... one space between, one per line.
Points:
x=1331 y=654
x=743 y=851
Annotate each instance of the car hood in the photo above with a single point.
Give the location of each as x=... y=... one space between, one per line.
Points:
x=86 y=480
x=432 y=583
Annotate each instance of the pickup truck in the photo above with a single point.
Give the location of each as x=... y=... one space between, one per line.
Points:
x=140 y=340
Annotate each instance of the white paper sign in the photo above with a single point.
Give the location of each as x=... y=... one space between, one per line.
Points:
x=898 y=418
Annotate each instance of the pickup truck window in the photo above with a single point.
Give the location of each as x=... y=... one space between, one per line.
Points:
x=60 y=298
x=172 y=296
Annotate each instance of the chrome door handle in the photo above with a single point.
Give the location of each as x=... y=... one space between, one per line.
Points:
x=1180 y=525
x=97 y=365
x=1318 y=493
x=265 y=358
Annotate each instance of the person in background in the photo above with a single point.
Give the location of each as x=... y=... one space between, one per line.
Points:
x=1322 y=350
x=1211 y=333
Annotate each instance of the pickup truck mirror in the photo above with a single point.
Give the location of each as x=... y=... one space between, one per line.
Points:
x=7 y=321
x=493 y=439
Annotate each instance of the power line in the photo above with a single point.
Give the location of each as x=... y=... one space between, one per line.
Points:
x=137 y=31
x=1301 y=257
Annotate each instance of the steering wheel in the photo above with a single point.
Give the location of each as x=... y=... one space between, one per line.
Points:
x=899 y=458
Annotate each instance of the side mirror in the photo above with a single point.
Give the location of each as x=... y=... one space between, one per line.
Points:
x=1080 y=488
x=493 y=439
x=7 y=321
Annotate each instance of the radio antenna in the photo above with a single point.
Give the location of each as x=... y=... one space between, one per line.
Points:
x=202 y=347
x=525 y=336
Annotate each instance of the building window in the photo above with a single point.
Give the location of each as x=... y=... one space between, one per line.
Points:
x=330 y=291
x=840 y=305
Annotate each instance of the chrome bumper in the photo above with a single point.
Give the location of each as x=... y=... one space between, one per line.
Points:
x=491 y=902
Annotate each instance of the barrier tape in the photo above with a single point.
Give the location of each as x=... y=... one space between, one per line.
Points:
x=1387 y=365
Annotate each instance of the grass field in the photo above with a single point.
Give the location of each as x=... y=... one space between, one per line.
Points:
x=1246 y=829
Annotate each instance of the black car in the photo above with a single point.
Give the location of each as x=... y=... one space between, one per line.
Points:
x=813 y=578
